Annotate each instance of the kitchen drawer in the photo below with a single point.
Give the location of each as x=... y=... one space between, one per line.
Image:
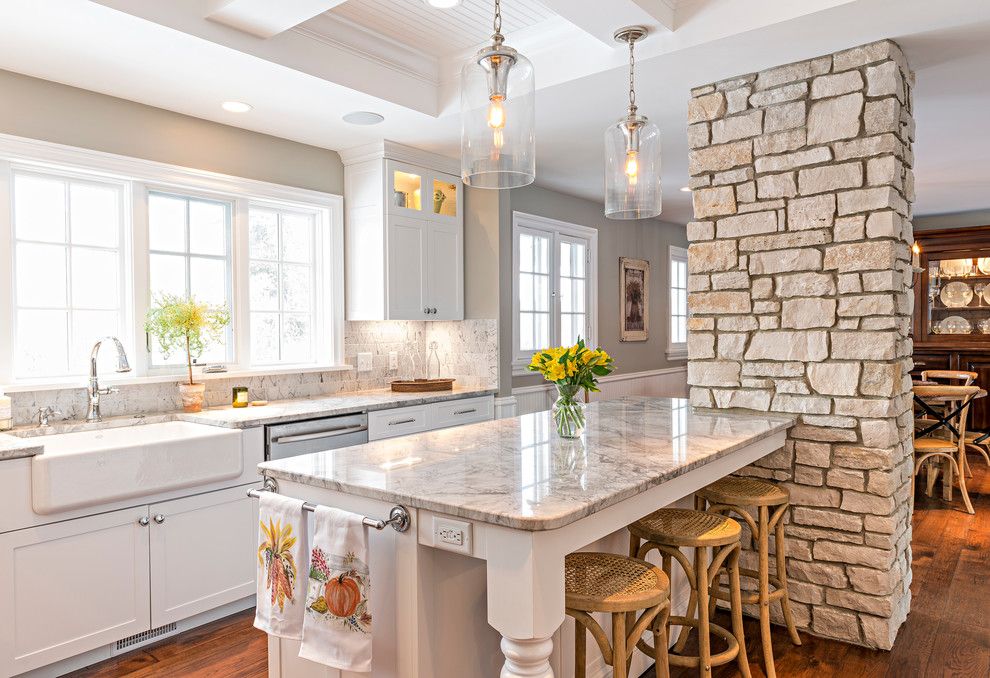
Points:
x=459 y=412
x=397 y=422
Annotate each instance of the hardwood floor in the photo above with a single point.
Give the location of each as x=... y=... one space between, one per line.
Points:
x=946 y=633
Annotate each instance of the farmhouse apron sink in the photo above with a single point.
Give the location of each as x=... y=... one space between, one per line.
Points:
x=87 y=468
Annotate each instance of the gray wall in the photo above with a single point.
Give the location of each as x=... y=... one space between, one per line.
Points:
x=41 y=109
x=481 y=247
x=953 y=220
x=643 y=239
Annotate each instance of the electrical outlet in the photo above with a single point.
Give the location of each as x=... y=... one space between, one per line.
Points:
x=452 y=535
x=364 y=362
x=393 y=361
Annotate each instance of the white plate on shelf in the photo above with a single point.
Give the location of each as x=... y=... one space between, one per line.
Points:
x=954 y=324
x=983 y=263
x=955 y=267
x=956 y=294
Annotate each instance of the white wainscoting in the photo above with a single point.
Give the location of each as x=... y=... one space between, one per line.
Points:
x=669 y=382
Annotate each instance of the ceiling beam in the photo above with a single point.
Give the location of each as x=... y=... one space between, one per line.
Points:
x=264 y=18
x=587 y=15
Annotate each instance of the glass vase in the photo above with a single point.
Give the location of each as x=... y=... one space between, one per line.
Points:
x=568 y=412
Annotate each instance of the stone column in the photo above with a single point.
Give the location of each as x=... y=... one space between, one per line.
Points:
x=800 y=300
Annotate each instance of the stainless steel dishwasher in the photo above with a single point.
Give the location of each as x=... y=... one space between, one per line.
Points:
x=315 y=435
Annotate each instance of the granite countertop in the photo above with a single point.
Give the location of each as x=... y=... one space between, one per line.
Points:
x=29 y=441
x=518 y=473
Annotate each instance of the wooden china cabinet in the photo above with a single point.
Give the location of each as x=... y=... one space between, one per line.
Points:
x=951 y=326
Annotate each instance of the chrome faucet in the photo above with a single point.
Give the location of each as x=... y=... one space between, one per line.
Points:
x=95 y=392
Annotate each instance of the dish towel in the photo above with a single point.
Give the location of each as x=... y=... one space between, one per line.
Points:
x=282 y=550
x=337 y=625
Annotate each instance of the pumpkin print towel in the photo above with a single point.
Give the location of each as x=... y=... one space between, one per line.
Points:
x=337 y=624
x=282 y=550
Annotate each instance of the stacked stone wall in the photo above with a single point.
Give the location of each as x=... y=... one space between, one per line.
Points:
x=800 y=300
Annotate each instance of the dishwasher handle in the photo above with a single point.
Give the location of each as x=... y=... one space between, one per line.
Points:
x=316 y=435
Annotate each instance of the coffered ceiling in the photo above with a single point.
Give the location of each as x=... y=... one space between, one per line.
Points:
x=303 y=64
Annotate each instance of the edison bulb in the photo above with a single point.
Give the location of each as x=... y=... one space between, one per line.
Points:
x=632 y=165
x=496 y=113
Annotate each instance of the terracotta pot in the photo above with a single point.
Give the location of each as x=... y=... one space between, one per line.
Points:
x=192 y=396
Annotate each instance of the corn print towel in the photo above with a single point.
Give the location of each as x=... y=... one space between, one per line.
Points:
x=282 y=551
x=337 y=625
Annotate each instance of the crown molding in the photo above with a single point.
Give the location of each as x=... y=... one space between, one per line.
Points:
x=391 y=150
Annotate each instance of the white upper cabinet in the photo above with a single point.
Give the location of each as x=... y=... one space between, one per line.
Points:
x=404 y=234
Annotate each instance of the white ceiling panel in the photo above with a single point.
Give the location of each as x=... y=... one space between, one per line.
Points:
x=441 y=32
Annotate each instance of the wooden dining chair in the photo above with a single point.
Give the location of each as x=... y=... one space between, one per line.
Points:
x=976 y=441
x=944 y=440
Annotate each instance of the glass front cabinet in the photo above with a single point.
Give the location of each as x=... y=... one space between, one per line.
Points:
x=404 y=234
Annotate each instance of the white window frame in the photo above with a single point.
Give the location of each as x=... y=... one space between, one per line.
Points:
x=557 y=231
x=139 y=176
x=675 y=350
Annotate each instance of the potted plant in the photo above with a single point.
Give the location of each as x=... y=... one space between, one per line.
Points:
x=571 y=369
x=186 y=324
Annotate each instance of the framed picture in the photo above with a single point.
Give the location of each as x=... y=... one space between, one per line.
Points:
x=634 y=299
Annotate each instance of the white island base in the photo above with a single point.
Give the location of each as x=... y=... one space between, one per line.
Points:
x=494 y=606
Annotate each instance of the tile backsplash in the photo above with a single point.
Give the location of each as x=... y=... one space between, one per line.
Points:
x=468 y=352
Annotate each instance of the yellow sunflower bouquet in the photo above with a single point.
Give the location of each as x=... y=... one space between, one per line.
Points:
x=571 y=368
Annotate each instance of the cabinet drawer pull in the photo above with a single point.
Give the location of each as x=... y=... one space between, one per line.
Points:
x=143 y=521
x=159 y=518
x=396 y=422
x=473 y=409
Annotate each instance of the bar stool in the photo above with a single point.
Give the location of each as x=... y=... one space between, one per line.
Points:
x=668 y=530
x=735 y=495
x=606 y=582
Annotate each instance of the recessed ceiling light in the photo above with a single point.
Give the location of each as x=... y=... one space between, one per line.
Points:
x=363 y=118
x=443 y=4
x=686 y=189
x=236 y=106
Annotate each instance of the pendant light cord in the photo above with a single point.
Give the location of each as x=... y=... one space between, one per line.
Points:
x=497 y=24
x=632 y=76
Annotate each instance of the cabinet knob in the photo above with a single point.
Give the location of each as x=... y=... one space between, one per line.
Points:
x=426 y=310
x=143 y=521
x=159 y=518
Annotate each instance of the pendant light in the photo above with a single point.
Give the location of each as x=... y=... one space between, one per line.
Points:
x=498 y=117
x=632 y=153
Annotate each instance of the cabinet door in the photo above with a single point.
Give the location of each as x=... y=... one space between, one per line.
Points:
x=407 y=190
x=406 y=265
x=445 y=271
x=979 y=411
x=203 y=553
x=71 y=587
x=445 y=197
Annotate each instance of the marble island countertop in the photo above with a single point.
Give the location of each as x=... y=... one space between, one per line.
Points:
x=29 y=441
x=518 y=473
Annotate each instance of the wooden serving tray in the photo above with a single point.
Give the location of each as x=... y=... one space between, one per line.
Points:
x=422 y=385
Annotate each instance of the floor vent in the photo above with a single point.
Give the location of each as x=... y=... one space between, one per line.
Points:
x=131 y=642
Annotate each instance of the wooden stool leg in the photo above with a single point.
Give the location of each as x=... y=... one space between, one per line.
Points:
x=947 y=478
x=619 y=645
x=962 y=486
x=580 y=649
x=704 y=634
x=931 y=475
x=764 y=590
x=633 y=546
x=735 y=594
x=661 y=644
x=785 y=602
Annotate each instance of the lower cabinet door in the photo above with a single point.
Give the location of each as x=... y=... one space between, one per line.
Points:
x=73 y=586
x=203 y=553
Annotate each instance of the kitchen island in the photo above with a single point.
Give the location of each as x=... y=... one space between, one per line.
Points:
x=494 y=509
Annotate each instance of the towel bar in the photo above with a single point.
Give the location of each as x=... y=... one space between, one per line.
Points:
x=398 y=517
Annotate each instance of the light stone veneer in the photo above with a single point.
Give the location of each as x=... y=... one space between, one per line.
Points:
x=468 y=351
x=800 y=300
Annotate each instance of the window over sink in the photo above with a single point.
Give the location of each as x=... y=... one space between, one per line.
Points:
x=92 y=239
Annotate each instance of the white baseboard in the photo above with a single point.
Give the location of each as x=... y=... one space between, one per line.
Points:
x=668 y=382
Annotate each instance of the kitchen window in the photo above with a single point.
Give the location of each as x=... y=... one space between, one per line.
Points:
x=677 y=338
x=92 y=239
x=554 y=290
x=68 y=262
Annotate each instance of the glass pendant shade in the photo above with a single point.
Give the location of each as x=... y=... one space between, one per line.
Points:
x=632 y=169
x=498 y=119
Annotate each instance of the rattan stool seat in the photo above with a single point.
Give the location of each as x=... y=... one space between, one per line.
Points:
x=745 y=492
x=684 y=527
x=934 y=445
x=606 y=582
